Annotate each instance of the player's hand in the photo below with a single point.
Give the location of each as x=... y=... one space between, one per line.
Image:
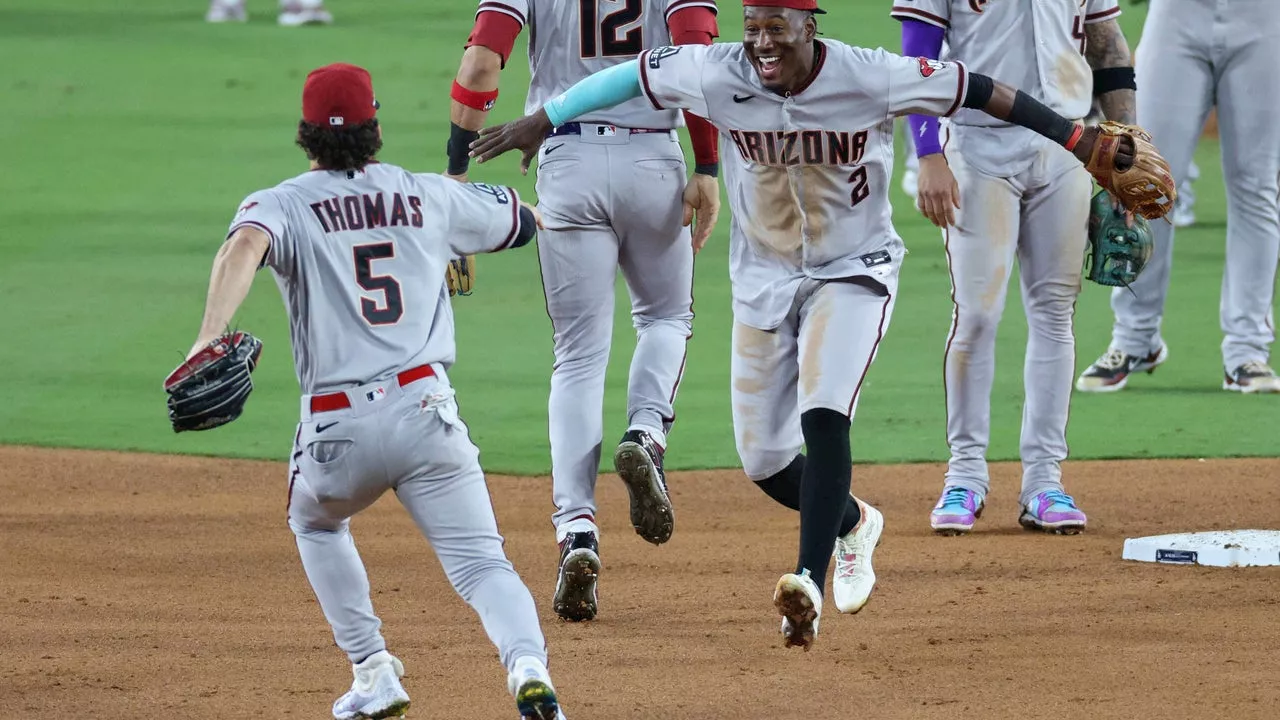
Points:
x=701 y=200
x=1084 y=149
x=460 y=178
x=537 y=216
x=939 y=194
x=525 y=134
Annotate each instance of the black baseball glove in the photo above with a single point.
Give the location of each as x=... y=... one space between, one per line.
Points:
x=211 y=387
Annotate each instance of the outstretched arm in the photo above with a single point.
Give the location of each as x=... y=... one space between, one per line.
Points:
x=233 y=269
x=696 y=25
x=604 y=89
x=1007 y=103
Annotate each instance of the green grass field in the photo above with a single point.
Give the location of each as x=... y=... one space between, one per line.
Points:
x=133 y=131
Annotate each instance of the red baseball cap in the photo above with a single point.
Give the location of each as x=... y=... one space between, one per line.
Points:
x=810 y=5
x=338 y=95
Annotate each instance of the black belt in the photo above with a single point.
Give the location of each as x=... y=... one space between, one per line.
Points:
x=575 y=128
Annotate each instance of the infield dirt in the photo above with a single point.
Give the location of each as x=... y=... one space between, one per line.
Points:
x=140 y=584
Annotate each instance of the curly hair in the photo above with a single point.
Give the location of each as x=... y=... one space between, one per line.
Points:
x=340 y=148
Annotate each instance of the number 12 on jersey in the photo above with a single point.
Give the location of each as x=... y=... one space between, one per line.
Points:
x=600 y=37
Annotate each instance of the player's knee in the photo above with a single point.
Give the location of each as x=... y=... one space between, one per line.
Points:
x=760 y=463
x=317 y=528
x=825 y=431
x=581 y=354
x=784 y=485
x=680 y=323
x=468 y=577
x=977 y=325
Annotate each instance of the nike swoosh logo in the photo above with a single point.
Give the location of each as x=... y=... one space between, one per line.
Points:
x=322 y=428
x=742 y=99
x=552 y=149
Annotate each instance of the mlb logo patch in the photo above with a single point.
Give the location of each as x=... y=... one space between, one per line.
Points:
x=606 y=131
x=879 y=257
x=375 y=395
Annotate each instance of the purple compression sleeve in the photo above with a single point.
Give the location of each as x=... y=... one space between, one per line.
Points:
x=920 y=39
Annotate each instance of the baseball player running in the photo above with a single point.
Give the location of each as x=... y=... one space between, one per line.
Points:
x=612 y=190
x=806 y=126
x=359 y=250
x=1193 y=54
x=1002 y=193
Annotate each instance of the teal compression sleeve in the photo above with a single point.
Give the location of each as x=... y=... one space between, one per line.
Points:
x=609 y=87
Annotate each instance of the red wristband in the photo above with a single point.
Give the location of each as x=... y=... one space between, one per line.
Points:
x=472 y=98
x=1075 y=138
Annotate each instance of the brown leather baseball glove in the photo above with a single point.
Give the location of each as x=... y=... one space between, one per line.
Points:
x=1125 y=163
x=461 y=275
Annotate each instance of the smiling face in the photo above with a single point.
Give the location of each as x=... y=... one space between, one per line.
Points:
x=779 y=44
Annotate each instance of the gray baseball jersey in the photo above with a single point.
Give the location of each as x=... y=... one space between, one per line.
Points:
x=1037 y=47
x=571 y=39
x=807 y=175
x=360 y=261
x=1023 y=198
x=361 y=256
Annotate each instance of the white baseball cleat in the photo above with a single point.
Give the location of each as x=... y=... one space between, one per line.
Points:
x=854 y=577
x=294 y=13
x=530 y=684
x=376 y=692
x=1254 y=376
x=799 y=601
x=221 y=11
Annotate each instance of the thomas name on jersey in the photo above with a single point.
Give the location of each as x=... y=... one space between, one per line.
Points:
x=800 y=147
x=364 y=212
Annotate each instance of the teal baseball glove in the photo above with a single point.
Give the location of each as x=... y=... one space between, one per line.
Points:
x=1116 y=253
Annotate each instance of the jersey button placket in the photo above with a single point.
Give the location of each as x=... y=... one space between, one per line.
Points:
x=795 y=176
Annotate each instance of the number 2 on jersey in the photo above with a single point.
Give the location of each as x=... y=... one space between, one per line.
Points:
x=859 y=181
x=610 y=45
x=387 y=312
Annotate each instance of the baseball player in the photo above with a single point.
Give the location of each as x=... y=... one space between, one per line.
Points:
x=806 y=130
x=612 y=190
x=293 y=13
x=359 y=249
x=1018 y=197
x=1193 y=54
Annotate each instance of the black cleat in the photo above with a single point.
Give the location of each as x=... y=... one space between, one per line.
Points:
x=638 y=461
x=575 y=598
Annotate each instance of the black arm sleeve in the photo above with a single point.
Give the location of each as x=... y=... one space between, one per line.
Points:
x=1026 y=111
x=528 y=228
x=979 y=92
x=459 y=147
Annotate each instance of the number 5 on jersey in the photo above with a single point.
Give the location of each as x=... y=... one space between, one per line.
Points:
x=391 y=307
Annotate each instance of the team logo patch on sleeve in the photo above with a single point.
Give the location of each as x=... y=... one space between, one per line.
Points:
x=929 y=67
x=657 y=54
x=499 y=194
